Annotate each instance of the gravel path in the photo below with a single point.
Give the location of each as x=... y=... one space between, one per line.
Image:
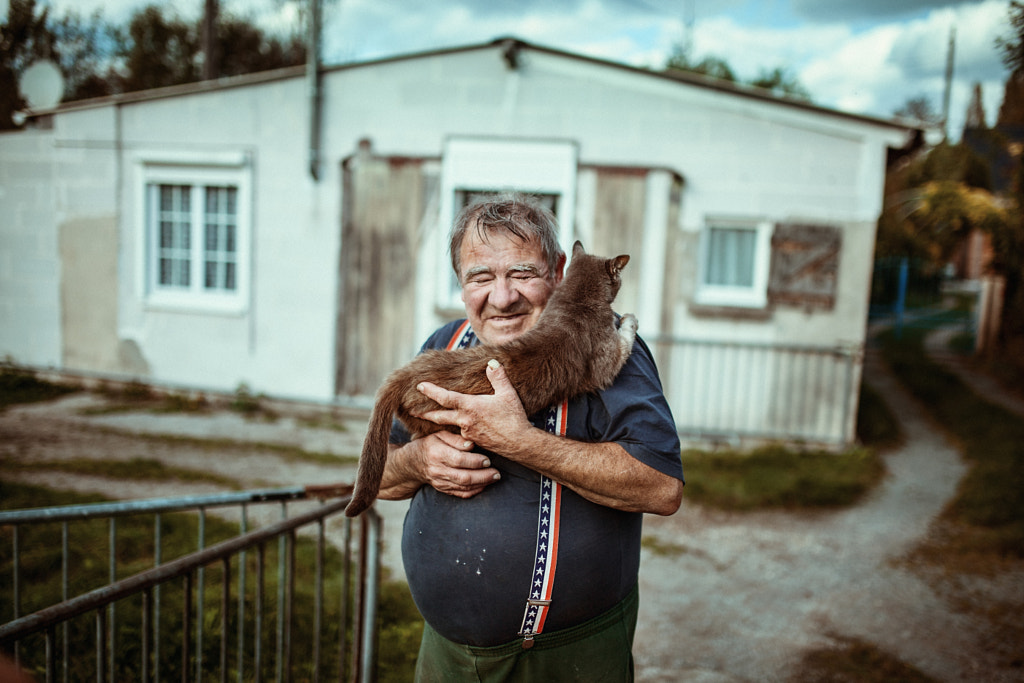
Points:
x=752 y=592
x=735 y=597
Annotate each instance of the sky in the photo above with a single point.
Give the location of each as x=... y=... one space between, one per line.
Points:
x=858 y=56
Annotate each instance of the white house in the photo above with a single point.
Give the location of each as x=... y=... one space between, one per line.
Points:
x=205 y=236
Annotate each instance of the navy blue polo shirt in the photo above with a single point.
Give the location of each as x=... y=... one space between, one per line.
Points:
x=469 y=562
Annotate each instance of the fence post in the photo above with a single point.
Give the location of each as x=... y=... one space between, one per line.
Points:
x=901 y=296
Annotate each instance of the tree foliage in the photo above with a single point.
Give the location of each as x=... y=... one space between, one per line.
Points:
x=919 y=109
x=24 y=38
x=936 y=201
x=782 y=83
x=948 y=211
x=162 y=51
x=1011 y=111
x=157 y=48
x=976 y=118
x=87 y=50
x=1012 y=47
x=711 y=66
x=952 y=163
x=778 y=81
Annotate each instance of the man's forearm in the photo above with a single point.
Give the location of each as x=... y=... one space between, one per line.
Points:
x=603 y=473
x=398 y=482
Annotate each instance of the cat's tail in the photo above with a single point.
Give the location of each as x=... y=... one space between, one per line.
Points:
x=375 y=452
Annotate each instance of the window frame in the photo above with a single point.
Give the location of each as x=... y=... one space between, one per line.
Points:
x=756 y=294
x=226 y=171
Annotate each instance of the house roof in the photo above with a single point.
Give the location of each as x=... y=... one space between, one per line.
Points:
x=511 y=48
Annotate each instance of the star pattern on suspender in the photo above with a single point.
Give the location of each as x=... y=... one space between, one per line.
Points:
x=547 y=542
x=549 y=508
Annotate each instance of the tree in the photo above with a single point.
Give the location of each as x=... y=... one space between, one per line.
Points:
x=947 y=212
x=935 y=201
x=919 y=109
x=244 y=48
x=780 y=82
x=953 y=163
x=162 y=51
x=1012 y=47
x=975 y=119
x=156 y=49
x=1011 y=111
x=714 y=67
x=24 y=38
x=90 y=53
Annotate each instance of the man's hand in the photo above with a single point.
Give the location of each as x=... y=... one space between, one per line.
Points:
x=491 y=421
x=603 y=473
x=442 y=460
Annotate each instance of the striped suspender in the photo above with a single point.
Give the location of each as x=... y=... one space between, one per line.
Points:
x=549 y=509
x=548 y=513
x=462 y=338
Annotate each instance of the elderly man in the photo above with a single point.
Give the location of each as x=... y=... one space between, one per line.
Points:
x=500 y=507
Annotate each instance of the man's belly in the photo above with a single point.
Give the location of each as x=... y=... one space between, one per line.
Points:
x=470 y=562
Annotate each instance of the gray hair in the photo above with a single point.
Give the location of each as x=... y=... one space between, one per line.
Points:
x=514 y=214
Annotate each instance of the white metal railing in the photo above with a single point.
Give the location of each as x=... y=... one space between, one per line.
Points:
x=722 y=390
x=240 y=651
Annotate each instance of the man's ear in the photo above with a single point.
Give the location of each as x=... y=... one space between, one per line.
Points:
x=560 y=269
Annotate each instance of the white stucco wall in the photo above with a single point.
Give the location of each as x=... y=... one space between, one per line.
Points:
x=738 y=156
x=29 y=257
x=282 y=342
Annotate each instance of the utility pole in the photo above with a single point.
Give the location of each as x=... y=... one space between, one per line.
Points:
x=949 y=82
x=211 y=59
x=688 y=20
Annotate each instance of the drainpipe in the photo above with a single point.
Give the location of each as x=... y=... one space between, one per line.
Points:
x=313 y=85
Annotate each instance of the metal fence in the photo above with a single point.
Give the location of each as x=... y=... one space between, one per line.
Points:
x=735 y=392
x=237 y=630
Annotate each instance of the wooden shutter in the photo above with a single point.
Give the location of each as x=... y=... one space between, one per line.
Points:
x=805 y=265
x=383 y=203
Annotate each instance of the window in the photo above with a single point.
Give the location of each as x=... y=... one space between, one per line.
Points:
x=734 y=264
x=196 y=223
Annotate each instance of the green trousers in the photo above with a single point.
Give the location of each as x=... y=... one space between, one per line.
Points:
x=597 y=650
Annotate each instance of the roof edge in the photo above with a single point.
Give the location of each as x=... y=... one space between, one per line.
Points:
x=510 y=44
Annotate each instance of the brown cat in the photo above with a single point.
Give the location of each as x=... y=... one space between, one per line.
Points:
x=573 y=348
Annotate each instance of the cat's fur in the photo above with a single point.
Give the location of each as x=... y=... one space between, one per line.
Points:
x=573 y=348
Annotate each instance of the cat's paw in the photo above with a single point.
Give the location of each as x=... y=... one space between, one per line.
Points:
x=627 y=333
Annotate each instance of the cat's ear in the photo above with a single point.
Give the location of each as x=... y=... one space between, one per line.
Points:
x=616 y=264
x=577 y=248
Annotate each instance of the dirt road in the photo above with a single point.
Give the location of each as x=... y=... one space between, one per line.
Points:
x=724 y=597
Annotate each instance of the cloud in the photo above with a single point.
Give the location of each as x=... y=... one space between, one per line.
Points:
x=832 y=11
x=855 y=75
x=749 y=50
x=922 y=50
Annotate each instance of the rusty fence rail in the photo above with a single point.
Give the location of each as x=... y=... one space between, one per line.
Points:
x=243 y=650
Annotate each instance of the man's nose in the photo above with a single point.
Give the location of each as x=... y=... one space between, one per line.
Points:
x=504 y=293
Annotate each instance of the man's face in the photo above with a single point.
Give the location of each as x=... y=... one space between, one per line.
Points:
x=505 y=284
